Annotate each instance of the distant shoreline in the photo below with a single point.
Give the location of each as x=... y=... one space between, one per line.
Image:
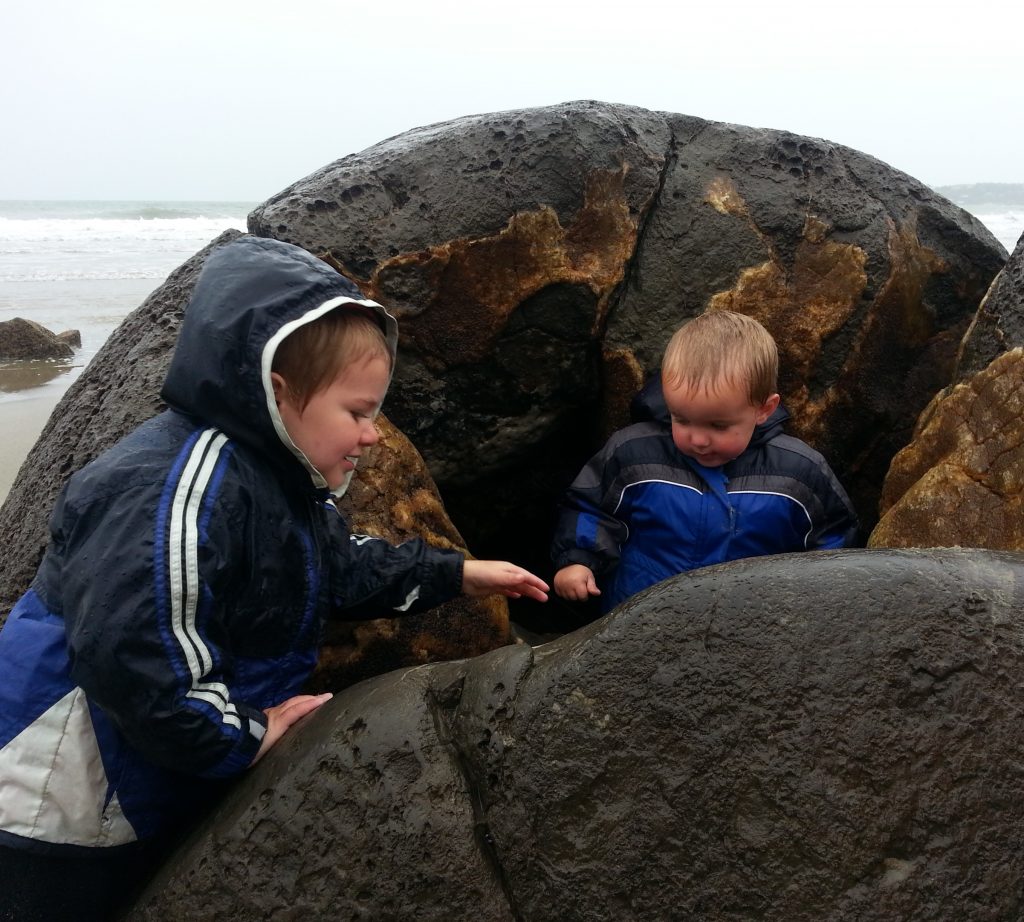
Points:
x=1004 y=196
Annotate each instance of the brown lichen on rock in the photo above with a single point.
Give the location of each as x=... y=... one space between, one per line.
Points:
x=802 y=305
x=960 y=482
x=455 y=299
x=622 y=376
x=393 y=497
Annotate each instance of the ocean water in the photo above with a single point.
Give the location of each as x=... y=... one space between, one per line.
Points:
x=86 y=265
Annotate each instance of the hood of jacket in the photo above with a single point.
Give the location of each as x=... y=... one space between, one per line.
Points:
x=649 y=406
x=250 y=295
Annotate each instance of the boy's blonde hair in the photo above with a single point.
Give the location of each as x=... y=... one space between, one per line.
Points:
x=311 y=357
x=723 y=347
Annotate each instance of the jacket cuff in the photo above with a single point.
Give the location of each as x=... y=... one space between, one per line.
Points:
x=579 y=555
x=254 y=728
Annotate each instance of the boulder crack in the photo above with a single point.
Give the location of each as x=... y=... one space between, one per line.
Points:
x=485 y=842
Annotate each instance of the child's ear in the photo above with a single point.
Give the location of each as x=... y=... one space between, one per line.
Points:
x=280 y=387
x=767 y=408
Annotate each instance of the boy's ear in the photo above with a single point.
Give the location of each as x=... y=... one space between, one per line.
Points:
x=767 y=408
x=280 y=387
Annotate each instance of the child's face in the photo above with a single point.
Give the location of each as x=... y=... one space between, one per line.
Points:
x=714 y=426
x=337 y=423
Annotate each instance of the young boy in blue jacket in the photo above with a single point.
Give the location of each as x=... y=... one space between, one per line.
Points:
x=176 y=615
x=710 y=478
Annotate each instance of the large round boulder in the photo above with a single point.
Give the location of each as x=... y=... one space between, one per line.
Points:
x=960 y=481
x=833 y=735
x=540 y=259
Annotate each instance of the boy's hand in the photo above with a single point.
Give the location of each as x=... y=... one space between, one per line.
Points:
x=576 y=583
x=281 y=717
x=486 y=577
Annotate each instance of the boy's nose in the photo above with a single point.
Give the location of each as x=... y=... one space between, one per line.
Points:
x=700 y=438
x=370 y=434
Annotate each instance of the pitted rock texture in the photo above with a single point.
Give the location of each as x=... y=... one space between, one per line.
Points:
x=397 y=500
x=540 y=259
x=22 y=340
x=800 y=738
x=960 y=481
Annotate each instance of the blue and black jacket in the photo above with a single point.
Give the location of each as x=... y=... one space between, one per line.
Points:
x=188 y=575
x=640 y=511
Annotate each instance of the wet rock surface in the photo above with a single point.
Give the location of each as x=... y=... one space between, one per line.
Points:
x=808 y=737
x=960 y=481
x=540 y=259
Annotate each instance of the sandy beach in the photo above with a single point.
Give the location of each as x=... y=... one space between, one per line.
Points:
x=21 y=421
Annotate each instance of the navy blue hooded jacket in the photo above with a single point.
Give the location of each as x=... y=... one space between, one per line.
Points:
x=640 y=511
x=188 y=575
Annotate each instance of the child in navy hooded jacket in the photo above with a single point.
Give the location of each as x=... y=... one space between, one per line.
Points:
x=164 y=643
x=710 y=478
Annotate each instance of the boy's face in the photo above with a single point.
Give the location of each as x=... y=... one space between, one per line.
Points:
x=714 y=426
x=337 y=423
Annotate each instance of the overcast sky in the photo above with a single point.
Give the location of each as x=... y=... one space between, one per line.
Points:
x=224 y=99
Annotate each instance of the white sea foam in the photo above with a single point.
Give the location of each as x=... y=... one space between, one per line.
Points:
x=1006 y=226
x=57 y=249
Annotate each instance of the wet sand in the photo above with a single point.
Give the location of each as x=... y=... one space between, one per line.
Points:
x=21 y=421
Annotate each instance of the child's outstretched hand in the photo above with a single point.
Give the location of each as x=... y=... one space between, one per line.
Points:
x=281 y=717
x=486 y=577
x=576 y=583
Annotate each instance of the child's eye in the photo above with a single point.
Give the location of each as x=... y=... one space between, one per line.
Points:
x=720 y=427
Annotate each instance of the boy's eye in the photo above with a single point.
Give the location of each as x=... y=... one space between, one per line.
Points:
x=720 y=427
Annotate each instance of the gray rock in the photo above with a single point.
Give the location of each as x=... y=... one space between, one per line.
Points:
x=71 y=337
x=22 y=339
x=809 y=737
x=999 y=323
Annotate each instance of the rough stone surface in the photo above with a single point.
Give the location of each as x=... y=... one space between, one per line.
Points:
x=22 y=339
x=540 y=259
x=999 y=324
x=809 y=737
x=960 y=481
x=120 y=389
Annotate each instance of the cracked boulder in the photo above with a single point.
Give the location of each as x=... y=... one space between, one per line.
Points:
x=540 y=259
x=800 y=738
x=392 y=495
x=960 y=481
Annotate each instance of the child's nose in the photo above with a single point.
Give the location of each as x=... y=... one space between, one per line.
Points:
x=700 y=437
x=370 y=435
